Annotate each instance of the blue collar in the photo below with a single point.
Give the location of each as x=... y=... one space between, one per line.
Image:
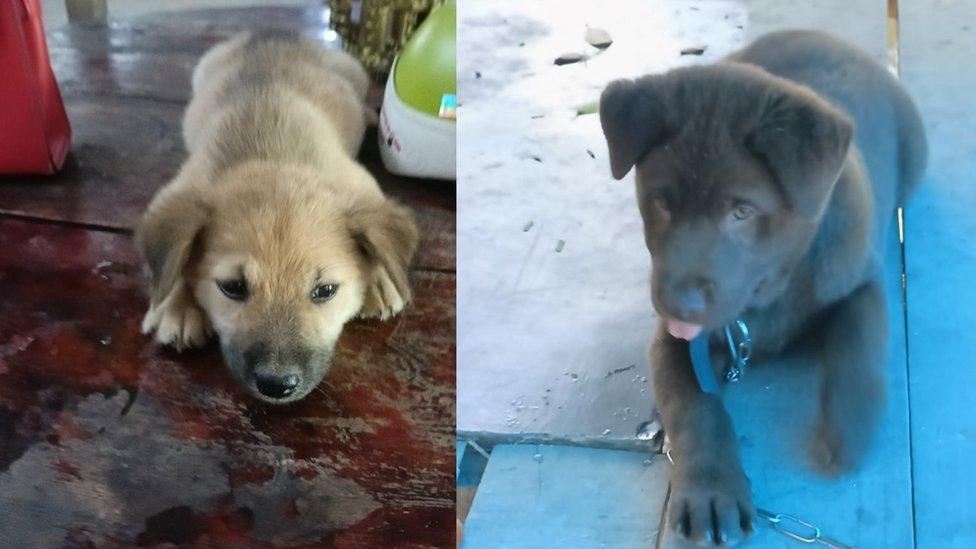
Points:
x=740 y=344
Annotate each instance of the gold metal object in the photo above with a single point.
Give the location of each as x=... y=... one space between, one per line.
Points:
x=374 y=31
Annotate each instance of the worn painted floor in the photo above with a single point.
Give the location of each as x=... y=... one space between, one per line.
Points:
x=106 y=439
x=565 y=328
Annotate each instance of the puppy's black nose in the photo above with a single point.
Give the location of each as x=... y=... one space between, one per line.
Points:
x=276 y=386
x=689 y=300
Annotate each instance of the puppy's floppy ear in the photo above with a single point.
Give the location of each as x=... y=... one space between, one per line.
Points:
x=166 y=236
x=803 y=141
x=388 y=237
x=633 y=116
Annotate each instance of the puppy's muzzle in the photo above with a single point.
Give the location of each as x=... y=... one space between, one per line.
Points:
x=689 y=299
x=277 y=375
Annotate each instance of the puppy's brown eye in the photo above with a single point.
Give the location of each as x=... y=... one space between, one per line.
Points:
x=234 y=289
x=741 y=212
x=324 y=292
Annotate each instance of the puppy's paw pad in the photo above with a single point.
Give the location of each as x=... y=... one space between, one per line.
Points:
x=712 y=512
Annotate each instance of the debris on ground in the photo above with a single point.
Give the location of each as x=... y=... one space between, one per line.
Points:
x=620 y=370
x=588 y=108
x=569 y=58
x=598 y=38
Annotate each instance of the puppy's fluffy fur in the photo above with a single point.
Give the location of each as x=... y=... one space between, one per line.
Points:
x=766 y=184
x=271 y=199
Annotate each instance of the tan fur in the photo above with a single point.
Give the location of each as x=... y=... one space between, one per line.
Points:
x=271 y=192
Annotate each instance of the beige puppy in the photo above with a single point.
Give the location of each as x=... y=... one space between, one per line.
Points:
x=271 y=235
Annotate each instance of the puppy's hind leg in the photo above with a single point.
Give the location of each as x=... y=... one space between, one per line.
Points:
x=854 y=348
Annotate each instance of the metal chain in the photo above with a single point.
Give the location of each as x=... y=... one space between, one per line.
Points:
x=800 y=530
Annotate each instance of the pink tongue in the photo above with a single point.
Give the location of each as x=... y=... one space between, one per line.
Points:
x=683 y=330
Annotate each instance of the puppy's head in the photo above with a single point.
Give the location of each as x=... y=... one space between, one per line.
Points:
x=734 y=169
x=279 y=262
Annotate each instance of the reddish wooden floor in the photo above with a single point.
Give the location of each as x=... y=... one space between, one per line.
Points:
x=107 y=440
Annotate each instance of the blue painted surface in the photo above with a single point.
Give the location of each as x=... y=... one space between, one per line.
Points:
x=470 y=465
x=938 y=46
x=560 y=496
x=458 y=454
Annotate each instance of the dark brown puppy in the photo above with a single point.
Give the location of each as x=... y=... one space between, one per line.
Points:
x=766 y=183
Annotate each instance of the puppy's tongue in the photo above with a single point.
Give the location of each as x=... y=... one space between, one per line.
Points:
x=683 y=330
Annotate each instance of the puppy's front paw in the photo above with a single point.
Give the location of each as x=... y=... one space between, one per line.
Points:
x=178 y=323
x=383 y=300
x=711 y=504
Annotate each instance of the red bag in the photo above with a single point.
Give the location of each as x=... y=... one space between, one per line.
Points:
x=34 y=130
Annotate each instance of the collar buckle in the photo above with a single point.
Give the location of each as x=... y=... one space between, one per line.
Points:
x=740 y=348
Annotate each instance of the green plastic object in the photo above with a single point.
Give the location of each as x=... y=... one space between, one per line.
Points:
x=426 y=68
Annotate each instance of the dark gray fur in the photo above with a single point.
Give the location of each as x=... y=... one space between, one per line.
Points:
x=830 y=142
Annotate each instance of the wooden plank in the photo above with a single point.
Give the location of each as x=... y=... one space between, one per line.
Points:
x=122 y=151
x=107 y=438
x=534 y=496
x=937 y=46
x=458 y=454
x=470 y=466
